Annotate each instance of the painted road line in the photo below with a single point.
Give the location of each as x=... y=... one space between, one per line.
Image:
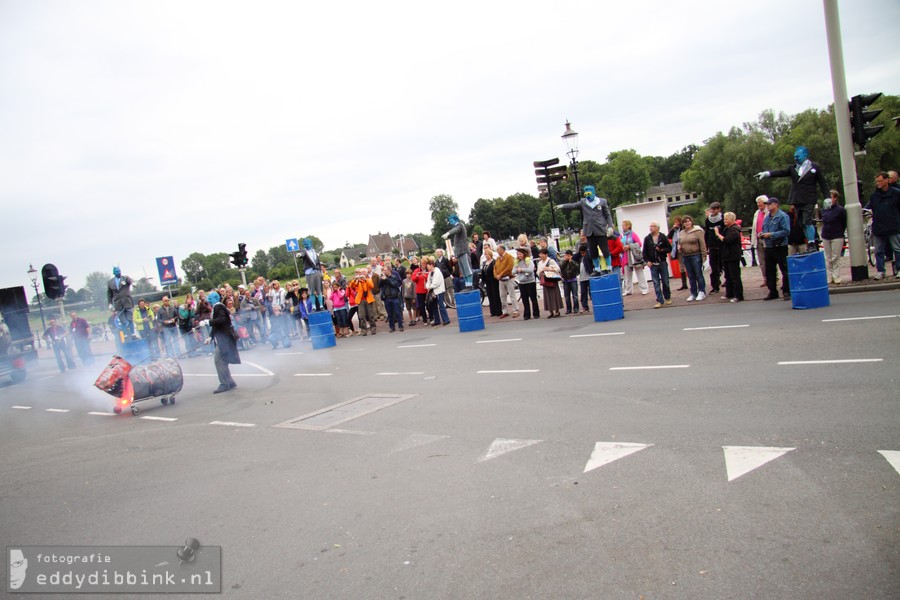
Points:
x=840 y=361
x=160 y=418
x=59 y=410
x=740 y=460
x=607 y=452
x=407 y=373
x=581 y=335
x=417 y=345
x=714 y=327
x=233 y=375
x=860 y=318
x=263 y=369
x=21 y=407
x=102 y=414
x=507 y=371
x=501 y=446
x=498 y=341
x=288 y=354
x=893 y=457
x=232 y=424
x=649 y=367
x=313 y=374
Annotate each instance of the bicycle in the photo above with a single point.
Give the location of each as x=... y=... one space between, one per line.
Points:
x=99 y=333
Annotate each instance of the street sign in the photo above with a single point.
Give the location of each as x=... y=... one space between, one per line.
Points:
x=165 y=265
x=292 y=245
x=554 y=233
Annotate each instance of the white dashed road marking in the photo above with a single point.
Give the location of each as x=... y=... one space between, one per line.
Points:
x=830 y=362
x=714 y=327
x=581 y=335
x=502 y=371
x=232 y=424
x=21 y=407
x=59 y=410
x=649 y=367
x=407 y=373
x=860 y=318
x=417 y=346
x=102 y=414
x=498 y=341
x=160 y=418
x=313 y=374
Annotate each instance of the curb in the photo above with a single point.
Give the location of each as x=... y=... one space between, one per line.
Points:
x=878 y=287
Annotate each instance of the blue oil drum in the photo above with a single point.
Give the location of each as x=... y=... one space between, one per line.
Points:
x=809 y=282
x=468 y=311
x=321 y=330
x=134 y=351
x=606 y=298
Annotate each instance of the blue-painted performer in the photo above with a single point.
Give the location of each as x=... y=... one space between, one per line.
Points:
x=805 y=177
x=313 y=272
x=460 y=244
x=597 y=224
x=118 y=294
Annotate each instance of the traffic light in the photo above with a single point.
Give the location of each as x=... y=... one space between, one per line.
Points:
x=860 y=119
x=239 y=258
x=54 y=283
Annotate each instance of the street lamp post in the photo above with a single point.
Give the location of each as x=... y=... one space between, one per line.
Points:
x=32 y=273
x=570 y=137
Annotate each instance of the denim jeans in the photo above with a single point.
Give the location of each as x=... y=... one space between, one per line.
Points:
x=881 y=242
x=439 y=309
x=660 y=275
x=693 y=264
x=570 y=292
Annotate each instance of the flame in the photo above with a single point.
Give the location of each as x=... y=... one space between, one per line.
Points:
x=127 y=392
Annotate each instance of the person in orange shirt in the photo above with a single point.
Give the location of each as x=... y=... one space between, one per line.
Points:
x=365 y=301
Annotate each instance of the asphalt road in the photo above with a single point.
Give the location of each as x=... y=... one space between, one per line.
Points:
x=678 y=453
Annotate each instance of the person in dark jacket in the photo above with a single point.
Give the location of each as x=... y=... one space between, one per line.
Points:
x=713 y=227
x=732 y=250
x=805 y=176
x=597 y=224
x=569 y=271
x=223 y=335
x=391 y=294
x=655 y=252
x=797 y=235
x=834 y=224
x=885 y=206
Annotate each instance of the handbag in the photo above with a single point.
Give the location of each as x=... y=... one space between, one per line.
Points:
x=637 y=258
x=429 y=297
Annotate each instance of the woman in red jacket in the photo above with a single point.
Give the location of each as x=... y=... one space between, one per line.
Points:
x=615 y=252
x=420 y=277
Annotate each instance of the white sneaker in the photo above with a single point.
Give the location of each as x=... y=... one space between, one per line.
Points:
x=837 y=280
x=645 y=292
x=691 y=298
x=701 y=296
x=878 y=275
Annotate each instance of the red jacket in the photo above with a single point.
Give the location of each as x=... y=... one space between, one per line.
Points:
x=615 y=250
x=420 y=277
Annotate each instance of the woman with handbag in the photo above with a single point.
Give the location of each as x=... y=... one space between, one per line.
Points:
x=491 y=285
x=524 y=273
x=549 y=274
x=677 y=270
x=633 y=261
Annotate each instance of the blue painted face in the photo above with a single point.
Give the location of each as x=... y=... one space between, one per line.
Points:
x=801 y=154
x=589 y=192
x=453 y=220
x=307 y=243
x=117 y=272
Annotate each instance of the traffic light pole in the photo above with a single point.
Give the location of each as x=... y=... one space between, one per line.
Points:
x=859 y=269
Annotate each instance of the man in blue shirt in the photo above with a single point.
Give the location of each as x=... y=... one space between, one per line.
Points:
x=775 y=230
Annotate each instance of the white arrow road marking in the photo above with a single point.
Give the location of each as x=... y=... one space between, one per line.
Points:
x=893 y=457
x=502 y=446
x=418 y=439
x=607 y=452
x=740 y=460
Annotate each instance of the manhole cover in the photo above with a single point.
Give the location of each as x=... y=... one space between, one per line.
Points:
x=334 y=415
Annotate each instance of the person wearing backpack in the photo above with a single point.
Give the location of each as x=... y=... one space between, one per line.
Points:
x=633 y=261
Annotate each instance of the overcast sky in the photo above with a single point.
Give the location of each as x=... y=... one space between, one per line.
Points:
x=131 y=130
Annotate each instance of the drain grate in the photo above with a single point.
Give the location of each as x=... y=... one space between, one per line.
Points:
x=334 y=415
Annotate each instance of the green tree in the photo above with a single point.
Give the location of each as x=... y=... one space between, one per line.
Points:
x=96 y=283
x=628 y=177
x=260 y=262
x=193 y=267
x=441 y=207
